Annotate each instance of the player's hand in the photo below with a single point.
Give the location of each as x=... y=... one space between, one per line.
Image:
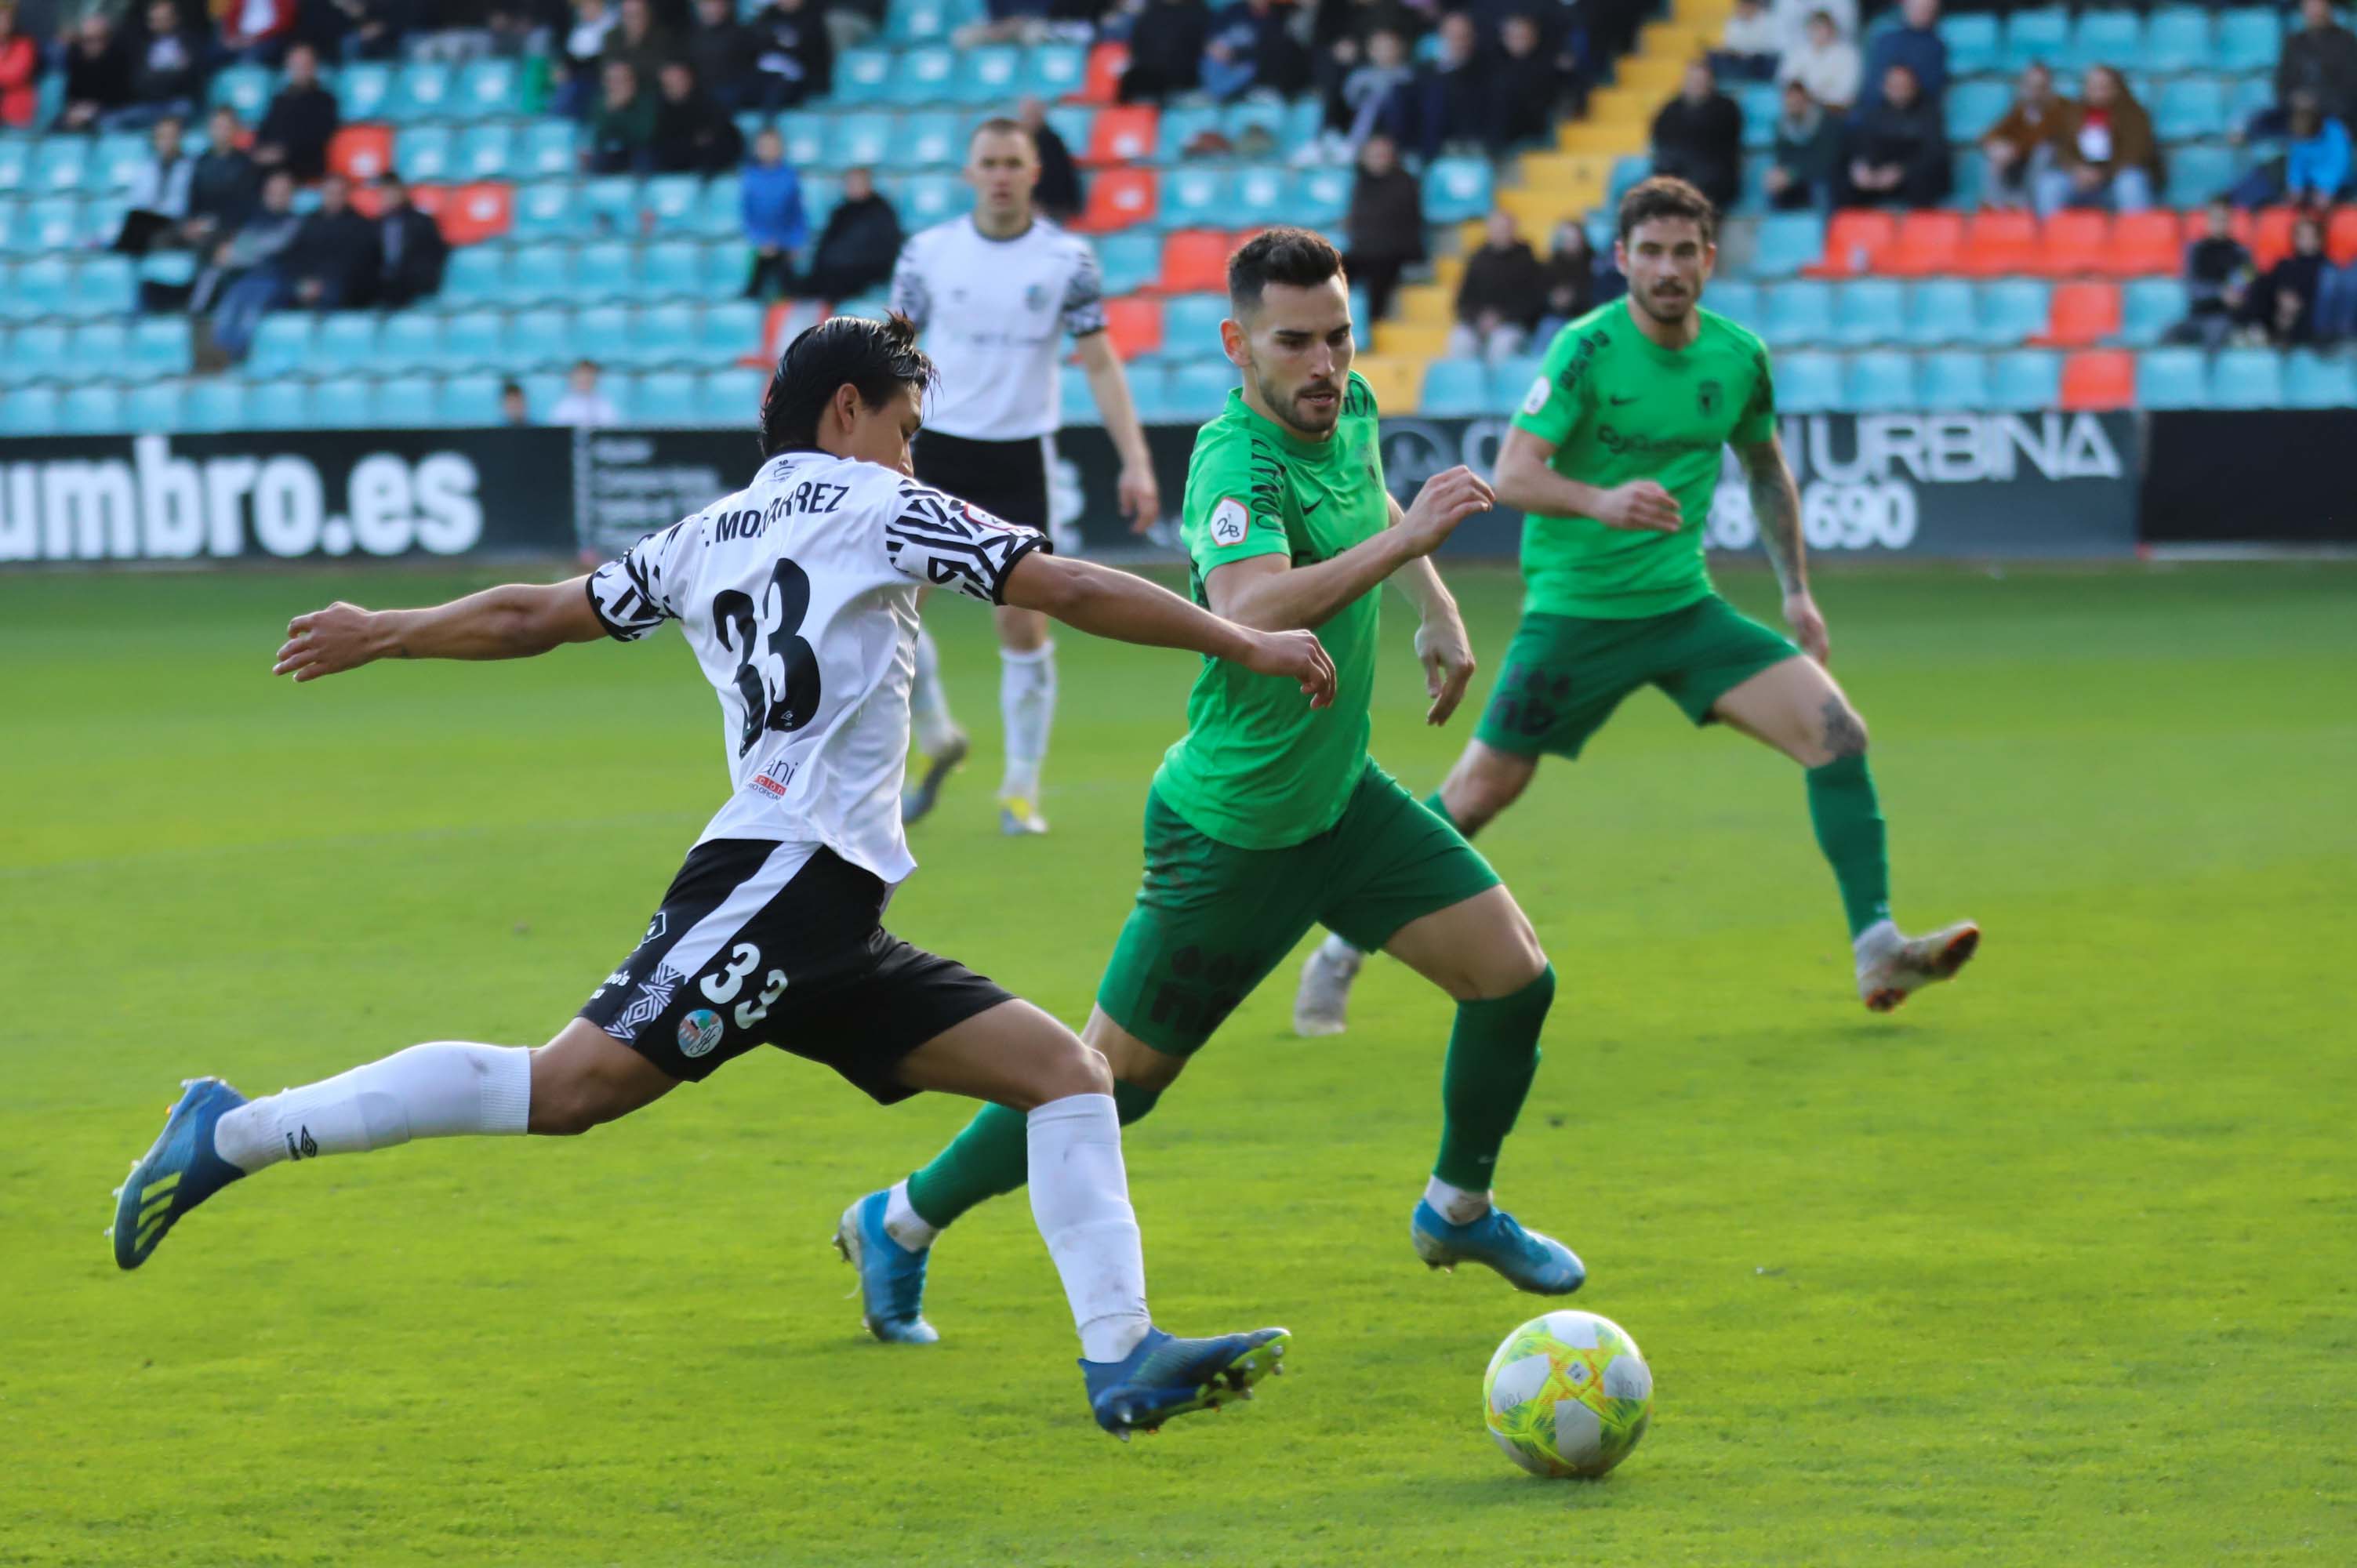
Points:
x=328 y=642
x=1298 y=656
x=1447 y=655
x=1641 y=506
x=1141 y=497
x=1447 y=500
x=1808 y=626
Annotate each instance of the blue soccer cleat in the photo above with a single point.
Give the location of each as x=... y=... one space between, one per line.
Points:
x=180 y=1172
x=891 y=1277
x=1164 y=1376
x=1540 y=1264
x=916 y=801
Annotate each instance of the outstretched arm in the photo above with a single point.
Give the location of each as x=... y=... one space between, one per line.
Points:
x=1776 y=507
x=1269 y=592
x=1106 y=603
x=516 y=621
x=1441 y=645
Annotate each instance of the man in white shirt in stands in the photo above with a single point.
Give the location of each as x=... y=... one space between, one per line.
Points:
x=583 y=403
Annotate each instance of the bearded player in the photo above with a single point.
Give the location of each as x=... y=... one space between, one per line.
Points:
x=1613 y=458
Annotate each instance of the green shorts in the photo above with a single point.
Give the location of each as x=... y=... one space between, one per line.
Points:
x=1565 y=674
x=1211 y=920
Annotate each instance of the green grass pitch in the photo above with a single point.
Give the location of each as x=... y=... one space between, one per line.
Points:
x=2055 y=1266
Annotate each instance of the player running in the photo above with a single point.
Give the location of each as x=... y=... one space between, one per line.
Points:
x=1267 y=819
x=1614 y=457
x=797 y=595
x=995 y=292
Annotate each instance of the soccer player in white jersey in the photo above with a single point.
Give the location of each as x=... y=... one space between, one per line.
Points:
x=995 y=292
x=799 y=597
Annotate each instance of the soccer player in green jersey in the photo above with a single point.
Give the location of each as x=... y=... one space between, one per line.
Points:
x=1266 y=819
x=1613 y=458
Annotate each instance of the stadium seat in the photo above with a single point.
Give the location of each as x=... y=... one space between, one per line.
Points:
x=1150 y=390
x=1941 y=310
x=2340 y=235
x=1190 y=323
x=2028 y=379
x=2149 y=308
x=468 y=402
x=2172 y=378
x=1954 y=380
x=1130 y=261
x=488 y=90
x=364 y=90
x=1455 y=189
x=1735 y=299
x=408 y=401
x=727 y=399
x=1053 y=71
x=1510 y=380
x=94 y=408
x=926 y=74
x=604 y=269
x=476 y=275
x=1999 y=243
x=612 y=203
x=868 y=137
x=1077 y=404
x=158 y=347
x=53 y=223
x=425 y=152
x=1122 y=134
x=1809 y=382
x=36 y=352
x=425 y=90
x=2099 y=379
x=988 y=75
x=673 y=268
x=917 y=22
x=719 y=210
x=2074 y=242
x=2269 y=236
x=1759 y=102
x=281 y=345
x=2176 y=39
x=1974 y=44
x=668 y=199
x=2313 y=381
x=345 y=402
x=1199 y=388
x=1927 y=243
x=1787 y=242
x=2247 y=378
x=345 y=340
x=30 y=411
x=471 y=213
x=474 y=339
x=360 y=152
x=60 y=165
x=1194 y=197
x=1073 y=121
x=2112 y=38
x=1457 y=389
x=2191 y=107
x=42 y=286
x=731 y=330
x=115 y=161
x=2081 y=314
x=669 y=397
x=1134 y=324
x=1262 y=194
x=549 y=209
x=929 y=138
x=483 y=152
x=281 y=404
x=1102 y=80
x=2250 y=38
x=245 y=87
x=97 y=348
x=2252 y=95
x=1118 y=199
x=1882 y=381
x=1321 y=196
x=548 y=149
x=1973 y=107
x=925 y=199
x=2030 y=36
x=1854 y=241
x=667 y=335
x=1195 y=260
x=2145 y=242
x=543 y=337
x=215 y=403
x=1868 y=311
x=410 y=340
x=1796 y=314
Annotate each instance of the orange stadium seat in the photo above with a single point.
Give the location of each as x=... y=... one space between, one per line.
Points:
x=1102 y=80
x=1135 y=324
x=2340 y=240
x=2073 y=243
x=2145 y=242
x=2083 y=315
x=1195 y=260
x=2000 y=243
x=473 y=213
x=2099 y=379
x=2270 y=236
x=1854 y=241
x=1122 y=135
x=1118 y=198
x=361 y=151
x=1928 y=243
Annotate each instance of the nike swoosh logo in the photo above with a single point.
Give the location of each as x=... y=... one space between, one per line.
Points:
x=1308 y=507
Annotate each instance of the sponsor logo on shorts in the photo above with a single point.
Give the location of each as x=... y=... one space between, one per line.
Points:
x=1534 y=401
x=699 y=1032
x=1229 y=522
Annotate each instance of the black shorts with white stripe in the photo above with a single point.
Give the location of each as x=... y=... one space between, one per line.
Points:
x=779 y=944
x=1007 y=479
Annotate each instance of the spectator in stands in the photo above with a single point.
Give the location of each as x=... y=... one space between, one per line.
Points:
x=1451 y=97
x=585 y=46
x=514 y=411
x=583 y=405
x=372 y=30
x=1529 y=82
x=1698 y=136
x=2315 y=166
x=636 y=41
x=1749 y=46
x=333 y=261
x=694 y=135
x=2282 y=302
x=1896 y=149
x=2217 y=279
x=1058 y=194
x=1385 y=223
x=411 y=246
x=98 y=75
x=2108 y=156
x=2021 y=147
x=301 y=121
x=243 y=282
x=1252 y=47
x=796 y=56
x=1373 y=98
x=1826 y=64
x=1916 y=44
x=1808 y=153
x=726 y=54
x=157 y=200
x=2336 y=303
x=1792 y=20
x=167 y=68
x=1341 y=29
x=258 y=32
x=1567 y=279
x=622 y=130
x=225 y=186
x=513 y=29
x=20 y=69
x=1500 y=296
x=2321 y=58
x=861 y=241
x=1165 y=50
x=769 y=200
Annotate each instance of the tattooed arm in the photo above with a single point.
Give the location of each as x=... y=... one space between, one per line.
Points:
x=1776 y=507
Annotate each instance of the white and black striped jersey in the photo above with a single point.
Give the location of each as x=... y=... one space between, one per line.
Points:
x=799 y=595
x=995 y=313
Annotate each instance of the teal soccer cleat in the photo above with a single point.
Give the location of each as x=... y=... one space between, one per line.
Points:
x=891 y=1277
x=1164 y=1376
x=1540 y=1264
x=177 y=1174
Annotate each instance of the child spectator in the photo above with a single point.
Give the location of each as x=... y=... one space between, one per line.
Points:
x=770 y=197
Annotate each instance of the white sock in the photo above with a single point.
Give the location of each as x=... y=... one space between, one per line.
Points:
x=1079 y=1198
x=1027 y=703
x=904 y=1224
x=1455 y=1203
x=928 y=702
x=1875 y=943
x=1338 y=950
x=443 y=1089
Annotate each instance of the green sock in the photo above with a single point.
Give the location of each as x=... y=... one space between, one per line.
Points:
x=992 y=1157
x=1848 y=820
x=1439 y=808
x=1493 y=1053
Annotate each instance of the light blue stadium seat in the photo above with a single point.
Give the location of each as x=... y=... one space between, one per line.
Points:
x=489 y=88
x=1456 y=188
x=1073 y=121
x=605 y=269
x=1190 y=325
x=1321 y=196
x=2043 y=34
x=622 y=391
x=1130 y=261
x=1868 y=311
x=1149 y=389
x=2197 y=173
x=1736 y=300
x=672 y=267
x=2177 y=38
x=2149 y=308
x=474 y=337
x=216 y=402
x=546 y=209
x=15 y=163
x=1199 y=388
x=2313 y=381
x=2172 y=378
x=1456 y=389
x=611 y=203
x=1809 y=382
x=1796 y=314
x=2191 y=107
x=917 y=21
x=731 y=399
x=721 y=208
x=346 y=341
x=2253 y=94
x=483 y=152
x=425 y=90
x=542 y=336
x=1079 y=405
x=542 y=391
x=865 y=75
x=424 y=153
x=926 y=199
x=41 y=286
x=730 y=329
x=1882 y=381
x=53 y=223
x=1760 y=105
x=820 y=193
x=805 y=133
x=2250 y=38
x=98 y=349
x=1261 y=193
x=281 y=345
x=1973 y=106
x=1180 y=125
x=94 y=408
x=1054 y=71
x=548 y=149
x=2012 y=311
x=409 y=401
x=669 y=199
x=724 y=265
x=115 y=160
x=245 y=87
x=602 y=332
x=282 y=403
x=410 y=340
x=469 y=402
x=1953 y=380
x=1941 y=310
x=60 y=165
x=1974 y=44
x=475 y=275
x=159 y=347
x=927 y=74
x=30 y=411
x=988 y=76
x=1194 y=196
x=928 y=139
x=2028 y=379
x=665 y=335
x=15 y=231
x=669 y=397
x=868 y=136
x=2113 y=37
x=2247 y=378
x=364 y=90
x=36 y=352
x=1258 y=117
x=104 y=285
x=1788 y=242
x=345 y=402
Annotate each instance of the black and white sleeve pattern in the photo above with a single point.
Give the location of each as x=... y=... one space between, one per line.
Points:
x=910 y=295
x=630 y=594
x=945 y=543
x=1083 y=308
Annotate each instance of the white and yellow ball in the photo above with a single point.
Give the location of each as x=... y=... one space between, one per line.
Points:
x=1567 y=1394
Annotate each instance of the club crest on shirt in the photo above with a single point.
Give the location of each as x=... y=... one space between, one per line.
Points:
x=1534 y=401
x=1708 y=397
x=1229 y=522
x=1035 y=298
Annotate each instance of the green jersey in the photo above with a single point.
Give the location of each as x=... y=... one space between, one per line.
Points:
x=1619 y=406
x=1259 y=768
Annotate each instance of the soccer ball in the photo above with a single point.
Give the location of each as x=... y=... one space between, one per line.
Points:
x=1567 y=1394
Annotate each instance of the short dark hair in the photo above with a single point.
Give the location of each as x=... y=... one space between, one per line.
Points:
x=876 y=359
x=1003 y=125
x=1295 y=257
x=1667 y=196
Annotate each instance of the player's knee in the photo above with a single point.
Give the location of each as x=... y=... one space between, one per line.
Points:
x=1844 y=733
x=1134 y=1062
x=1073 y=1069
x=1514 y=963
x=1482 y=787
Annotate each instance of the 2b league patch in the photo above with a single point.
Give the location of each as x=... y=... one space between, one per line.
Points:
x=1229 y=522
x=1534 y=401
